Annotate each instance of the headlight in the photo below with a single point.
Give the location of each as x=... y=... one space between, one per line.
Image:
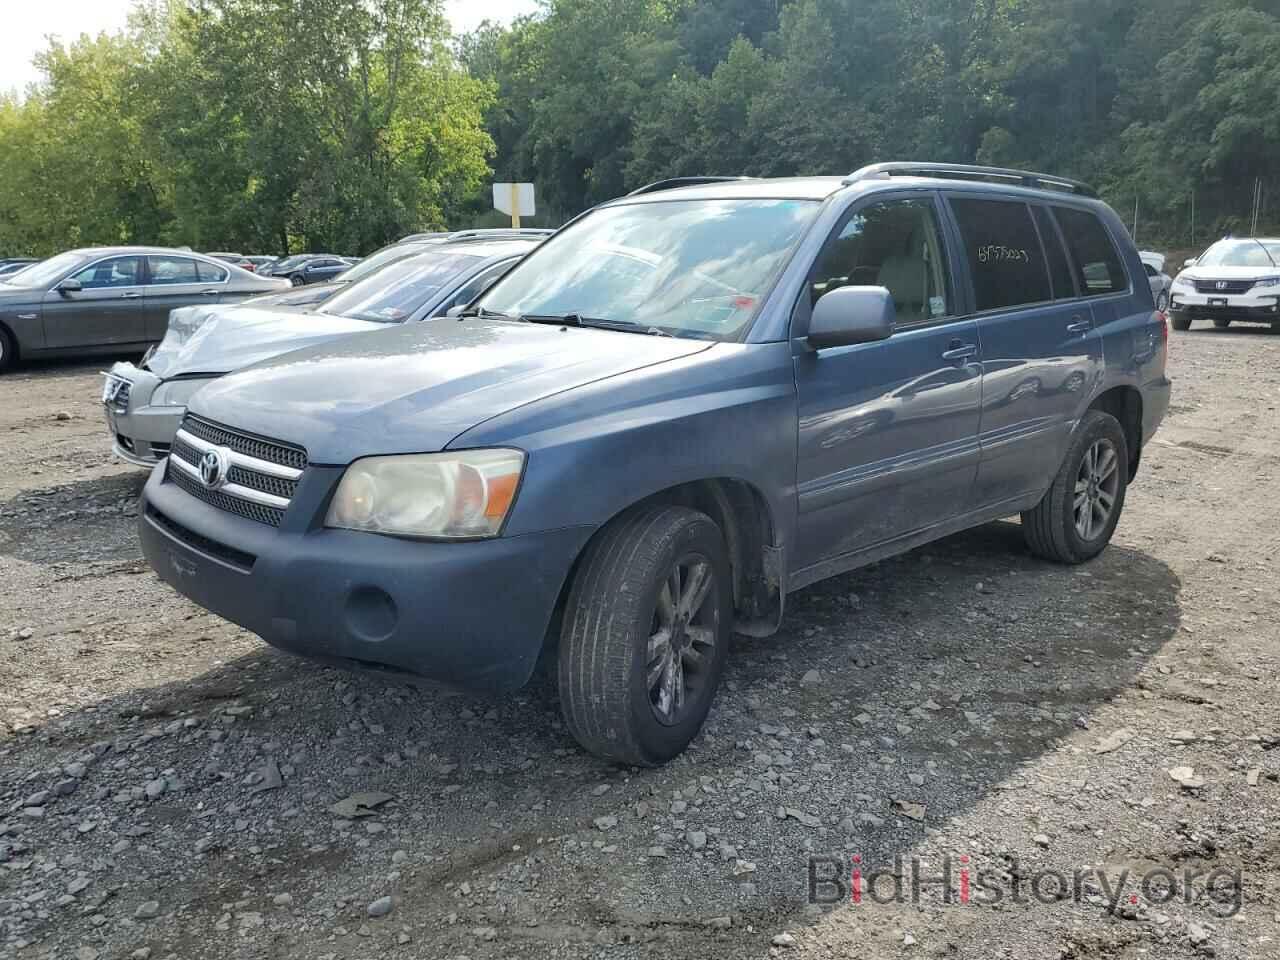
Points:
x=1267 y=282
x=1184 y=285
x=462 y=495
x=177 y=393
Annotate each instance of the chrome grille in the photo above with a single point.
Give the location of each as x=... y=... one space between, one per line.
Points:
x=258 y=476
x=1227 y=286
x=286 y=455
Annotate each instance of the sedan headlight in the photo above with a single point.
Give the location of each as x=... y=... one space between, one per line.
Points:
x=177 y=393
x=1267 y=282
x=462 y=495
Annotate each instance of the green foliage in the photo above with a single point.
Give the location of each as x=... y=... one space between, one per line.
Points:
x=247 y=124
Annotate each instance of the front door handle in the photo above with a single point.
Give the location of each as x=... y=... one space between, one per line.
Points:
x=1078 y=325
x=131 y=295
x=959 y=350
x=210 y=293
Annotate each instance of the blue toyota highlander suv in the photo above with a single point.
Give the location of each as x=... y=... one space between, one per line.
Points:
x=685 y=405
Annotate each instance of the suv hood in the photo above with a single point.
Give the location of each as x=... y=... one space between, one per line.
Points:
x=214 y=339
x=414 y=388
x=1228 y=273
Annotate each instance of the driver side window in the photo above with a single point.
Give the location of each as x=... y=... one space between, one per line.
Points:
x=895 y=244
x=116 y=272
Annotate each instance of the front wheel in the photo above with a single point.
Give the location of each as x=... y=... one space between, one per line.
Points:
x=1074 y=521
x=1221 y=323
x=297 y=280
x=1180 y=321
x=645 y=635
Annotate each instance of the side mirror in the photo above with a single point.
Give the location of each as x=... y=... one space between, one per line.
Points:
x=1191 y=262
x=455 y=311
x=69 y=285
x=850 y=315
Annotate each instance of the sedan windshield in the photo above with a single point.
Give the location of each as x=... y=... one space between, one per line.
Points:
x=1237 y=253
x=380 y=258
x=44 y=273
x=396 y=292
x=693 y=267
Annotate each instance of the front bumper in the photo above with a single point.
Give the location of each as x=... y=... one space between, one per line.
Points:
x=469 y=614
x=1255 y=306
x=140 y=433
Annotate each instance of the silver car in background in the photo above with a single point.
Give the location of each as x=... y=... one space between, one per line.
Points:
x=1153 y=264
x=144 y=405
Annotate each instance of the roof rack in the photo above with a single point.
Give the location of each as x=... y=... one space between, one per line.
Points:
x=673 y=183
x=964 y=171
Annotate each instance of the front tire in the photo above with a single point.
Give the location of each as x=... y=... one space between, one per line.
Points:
x=646 y=632
x=1221 y=323
x=1179 y=321
x=297 y=280
x=1074 y=521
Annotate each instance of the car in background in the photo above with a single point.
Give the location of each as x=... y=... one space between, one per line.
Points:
x=259 y=261
x=14 y=264
x=1236 y=280
x=310 y=268
x=1153 y=265
x=239 y=259
x=144 y=404
x=110 y=299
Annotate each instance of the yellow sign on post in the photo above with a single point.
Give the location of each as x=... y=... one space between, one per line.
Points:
x=514 y=199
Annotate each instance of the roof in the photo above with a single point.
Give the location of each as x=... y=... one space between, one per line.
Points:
x=819 y=188
x=112 y=251
x=485 y=248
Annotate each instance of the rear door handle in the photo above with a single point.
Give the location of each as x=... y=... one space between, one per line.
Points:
x=131 y=295
x=958 y=350
x=1078 y=325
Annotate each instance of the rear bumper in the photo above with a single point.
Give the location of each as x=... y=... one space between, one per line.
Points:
x=471 y=614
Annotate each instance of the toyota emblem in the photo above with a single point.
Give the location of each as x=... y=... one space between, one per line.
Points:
x=214 y=466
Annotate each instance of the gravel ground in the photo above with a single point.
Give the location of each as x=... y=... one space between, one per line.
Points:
x=169 y=787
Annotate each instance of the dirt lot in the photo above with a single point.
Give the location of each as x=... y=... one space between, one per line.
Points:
x=168 y=784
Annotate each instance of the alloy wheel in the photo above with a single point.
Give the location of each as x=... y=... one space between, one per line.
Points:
x=1096 y=488
x=682 y=638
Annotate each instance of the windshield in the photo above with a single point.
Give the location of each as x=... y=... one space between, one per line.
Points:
x=698 y=267
x=1238 y=253
x=380 y=258
x=393 y=294
x=44 y=273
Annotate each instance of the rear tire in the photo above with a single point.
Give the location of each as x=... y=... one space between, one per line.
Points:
x=7 y=350
x=1179 y=321
x=645 y=636
x=1221 y=323
x=1075 y=520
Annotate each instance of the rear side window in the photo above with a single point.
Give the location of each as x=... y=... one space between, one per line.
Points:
x=209 y=273
x=1055 y=256
x=1097 y=265
x=172 y=270
x=1003 y=251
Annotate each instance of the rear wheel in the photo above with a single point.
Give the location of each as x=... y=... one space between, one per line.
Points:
x=1221 y=323
x=1179 y=321
x=1076 y=518
x=7 y=350
x=645 y=635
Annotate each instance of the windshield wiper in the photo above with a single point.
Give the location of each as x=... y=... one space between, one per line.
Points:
x=600 y=323
x=482 y=313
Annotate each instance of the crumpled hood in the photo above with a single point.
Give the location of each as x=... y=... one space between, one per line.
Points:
x=209 y=338
x=415 y=387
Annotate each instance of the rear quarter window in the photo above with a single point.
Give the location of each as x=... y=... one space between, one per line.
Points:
x=1003 y=251
x=1097 y=264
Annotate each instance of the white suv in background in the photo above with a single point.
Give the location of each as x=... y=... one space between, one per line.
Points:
x=1236 y=279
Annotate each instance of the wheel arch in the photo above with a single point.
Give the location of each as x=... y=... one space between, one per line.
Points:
x=1124 y=402
x=744 y=516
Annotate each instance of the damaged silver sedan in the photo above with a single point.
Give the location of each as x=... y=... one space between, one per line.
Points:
x=144 y=403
